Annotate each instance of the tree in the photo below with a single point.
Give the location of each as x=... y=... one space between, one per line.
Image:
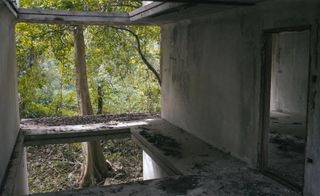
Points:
x=100 y=98
x=95 y=168
x=113 y=68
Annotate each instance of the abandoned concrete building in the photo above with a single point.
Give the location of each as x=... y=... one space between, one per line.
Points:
x=240 y=99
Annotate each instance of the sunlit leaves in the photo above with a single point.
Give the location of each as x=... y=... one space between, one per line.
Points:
x=89 y=5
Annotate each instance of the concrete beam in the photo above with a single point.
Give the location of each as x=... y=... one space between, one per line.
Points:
x=175 y=10
x=230 y=2
x=42 y=135
x=152 y=9
x=73 y=17
x=136 y=17
x=11 y=7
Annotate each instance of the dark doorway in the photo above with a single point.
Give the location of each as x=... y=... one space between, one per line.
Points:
x=285 y=108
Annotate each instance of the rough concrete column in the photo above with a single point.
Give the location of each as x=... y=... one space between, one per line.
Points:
x=9 y=111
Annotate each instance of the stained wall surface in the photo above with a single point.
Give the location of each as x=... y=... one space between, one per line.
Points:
x=211 y=76
x=9 y=115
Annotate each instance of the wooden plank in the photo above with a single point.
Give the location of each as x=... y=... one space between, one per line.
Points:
x=73 y=17
x=41 y=135
x=10 y=179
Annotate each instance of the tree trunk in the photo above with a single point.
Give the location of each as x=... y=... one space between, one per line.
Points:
x=143 y=58
x=100 y=99
x=95 y=168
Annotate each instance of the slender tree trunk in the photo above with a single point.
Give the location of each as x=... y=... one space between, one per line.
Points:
x=100 y=99
x=95 y=168
x=138 y=47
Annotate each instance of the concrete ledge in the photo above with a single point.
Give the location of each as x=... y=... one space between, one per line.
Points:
x=11 y=7
x=178 y=152
x=10 y=180
x=73 y=17
x=186 y=185
x=40 y=135
x=153 y=9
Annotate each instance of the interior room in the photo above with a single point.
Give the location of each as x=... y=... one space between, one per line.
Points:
x=288 y=104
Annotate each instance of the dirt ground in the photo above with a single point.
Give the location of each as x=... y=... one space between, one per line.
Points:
x=57 y=167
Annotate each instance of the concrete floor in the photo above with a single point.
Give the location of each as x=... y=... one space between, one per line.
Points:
x=287 y=146
x=195 y=168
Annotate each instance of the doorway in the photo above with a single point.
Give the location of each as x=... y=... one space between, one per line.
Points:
x=286 y=83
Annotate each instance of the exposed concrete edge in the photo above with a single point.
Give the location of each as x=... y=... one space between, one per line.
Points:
x=70 y=13
x=73 y=17
x=161 y=8
x=159 y=159
x=152 y=9
x=11 y=7
x=145 y=8
x=77 y=137
x=43 y=135
x=9 y=181
x=184 y=185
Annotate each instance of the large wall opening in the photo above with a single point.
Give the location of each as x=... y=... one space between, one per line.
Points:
x=117 y=62
x=287 y=78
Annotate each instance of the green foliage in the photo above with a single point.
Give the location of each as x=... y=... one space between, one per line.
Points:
x=45 y=58
x=88 y=5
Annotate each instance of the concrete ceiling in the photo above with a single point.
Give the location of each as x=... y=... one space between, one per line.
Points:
x=162 y=12
x=229 y=2
x=157 y=13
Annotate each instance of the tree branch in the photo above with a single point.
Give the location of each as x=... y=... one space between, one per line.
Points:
x=146 y=62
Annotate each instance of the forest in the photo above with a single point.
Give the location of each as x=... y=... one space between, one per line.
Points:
x=118 y=79
x=120 y=73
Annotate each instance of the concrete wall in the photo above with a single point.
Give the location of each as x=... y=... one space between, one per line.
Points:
x=209 y=82
x=290 y=72
x=9 y=115
x=211 y=71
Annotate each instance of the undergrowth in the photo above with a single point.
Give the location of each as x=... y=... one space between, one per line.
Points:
x=57 y=167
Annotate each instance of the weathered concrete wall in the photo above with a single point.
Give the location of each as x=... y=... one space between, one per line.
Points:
x=211 y=71
x=9 y=115
x=209 y=81
x=291 y=72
